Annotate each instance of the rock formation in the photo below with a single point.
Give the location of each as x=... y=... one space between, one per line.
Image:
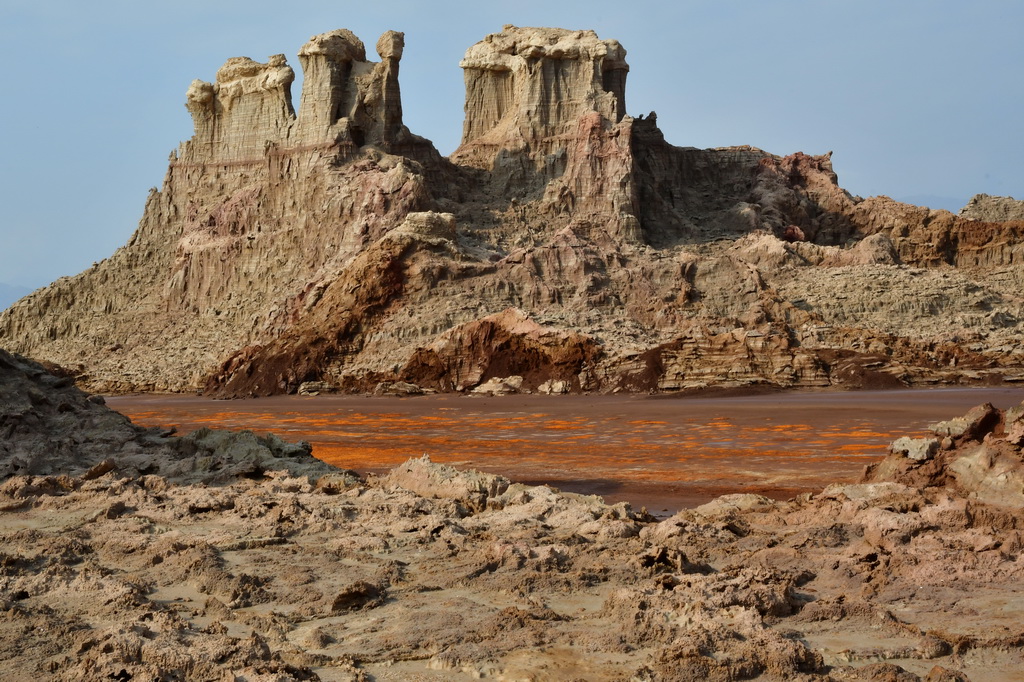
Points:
x=530 y=85
x=993 y=209
x=977 y=455
x=50 y=428
x=565 y=242
x=132 y=554
x=346 y=100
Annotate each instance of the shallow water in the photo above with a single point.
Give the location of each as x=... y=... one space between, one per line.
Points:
x=662 y=453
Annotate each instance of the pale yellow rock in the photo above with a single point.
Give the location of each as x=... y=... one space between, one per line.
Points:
x=429 y=224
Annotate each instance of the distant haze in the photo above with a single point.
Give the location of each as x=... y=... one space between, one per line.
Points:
x=9 y=294
x=919 y=100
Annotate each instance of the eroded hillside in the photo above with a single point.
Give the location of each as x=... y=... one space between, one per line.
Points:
x=564 y=242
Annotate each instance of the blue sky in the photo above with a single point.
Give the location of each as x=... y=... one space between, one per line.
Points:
x=919 y=100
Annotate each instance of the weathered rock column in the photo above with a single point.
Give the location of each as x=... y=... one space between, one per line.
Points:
x=328 y=61
x=527 y=86
x=545 y=114
x=381 y=111
x=347 y=98
x=248 y=105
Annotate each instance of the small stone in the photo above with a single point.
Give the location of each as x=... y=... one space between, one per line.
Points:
x=932 y=647
x=940 y=674
x=358 y=595
x=100 y=469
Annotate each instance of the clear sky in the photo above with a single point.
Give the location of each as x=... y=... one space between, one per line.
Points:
x=921 y=100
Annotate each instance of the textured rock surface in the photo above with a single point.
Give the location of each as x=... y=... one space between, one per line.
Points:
x=980 y=457
x=346 y=100
x=530 y=84
x=157 y=564
x=564 y=242
x=989 y=208
x=49 y=427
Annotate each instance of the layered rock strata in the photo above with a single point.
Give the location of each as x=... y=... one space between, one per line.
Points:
x=122 y=556
x=526 y=84
x=564 y=241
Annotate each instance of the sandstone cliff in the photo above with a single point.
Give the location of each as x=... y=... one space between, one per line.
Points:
x=565 y=242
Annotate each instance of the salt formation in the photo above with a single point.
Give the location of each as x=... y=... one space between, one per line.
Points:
x=565 y=242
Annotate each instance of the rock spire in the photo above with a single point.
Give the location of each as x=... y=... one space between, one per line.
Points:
x=528 y=84
x=346 y=100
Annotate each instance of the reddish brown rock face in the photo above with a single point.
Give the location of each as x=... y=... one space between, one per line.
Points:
x=504 y=345
x=331 y=246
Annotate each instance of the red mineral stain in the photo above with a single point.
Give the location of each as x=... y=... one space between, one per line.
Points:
x=658 y=453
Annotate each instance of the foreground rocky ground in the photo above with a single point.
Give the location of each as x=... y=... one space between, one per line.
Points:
x=132 y=554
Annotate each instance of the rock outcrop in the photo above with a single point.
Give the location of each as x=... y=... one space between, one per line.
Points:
x=51 y=430
x=527 y=85
x=977 y=455
x=993 y=209
x=545 y=113
x=248 y=104
x=505 y=345
x=565 y=242
x=346 y=100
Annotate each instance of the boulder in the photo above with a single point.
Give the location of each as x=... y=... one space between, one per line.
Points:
x=500 y=386
x=315 y=388
x=425 y=478
x=397 y=388
x=918 y=449
x=974 y=425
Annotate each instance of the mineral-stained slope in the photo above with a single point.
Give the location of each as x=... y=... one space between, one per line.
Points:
x=564 y=242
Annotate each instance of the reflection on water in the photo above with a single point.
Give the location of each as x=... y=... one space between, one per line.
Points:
x=665 y=453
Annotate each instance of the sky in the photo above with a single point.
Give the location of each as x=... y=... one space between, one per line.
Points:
x=920 y=100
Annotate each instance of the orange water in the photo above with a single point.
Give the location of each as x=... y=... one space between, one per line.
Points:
x=663 y=453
